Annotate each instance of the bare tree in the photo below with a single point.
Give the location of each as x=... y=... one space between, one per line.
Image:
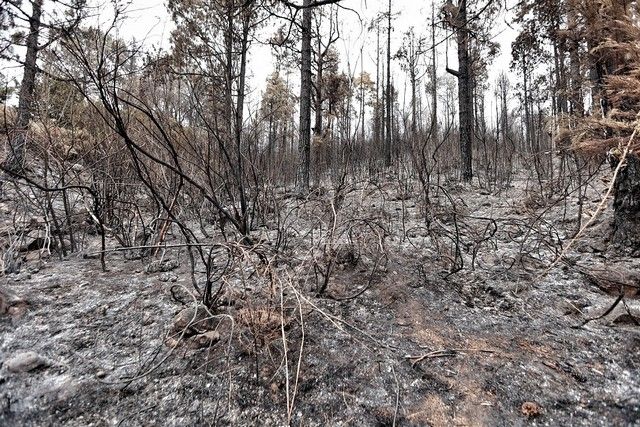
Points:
x=323 y=58
x=304 y=144
x=457 y=18
x=389 y=95
x=411 y=53
x=16 y=156
x=15 y=160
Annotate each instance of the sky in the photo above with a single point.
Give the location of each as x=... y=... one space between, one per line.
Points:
x=148 y=20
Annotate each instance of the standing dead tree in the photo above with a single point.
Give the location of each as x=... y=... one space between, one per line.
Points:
x=304 y=144
x=36 y=21
x=456 y=17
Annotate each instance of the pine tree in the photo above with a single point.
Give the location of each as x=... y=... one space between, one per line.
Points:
x=470 y=21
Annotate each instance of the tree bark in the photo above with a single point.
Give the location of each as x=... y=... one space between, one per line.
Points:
x=304 y=143
x=434 y=75
x=362 y=100
x=228 y=72
x=577 y=101
x=319 y=76
x=560 y=83
x=626 y=228
x=387 y=144
x=16 y=156
x=244 y=47
x=465 y=93
x=414 y=112
x=526 y=104
x=377 y=119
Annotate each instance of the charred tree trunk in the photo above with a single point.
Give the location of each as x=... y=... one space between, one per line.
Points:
x=465 y=90
x=577 y=101
x=527 y=105
x=434 y=75
x=272 y=138
x=319 y=95
x=387 y=143
x=16 y=156
x=377 y=119
x=244 y=47
x=362 y=100
x=465 y=97
x=304 y=143
x=626 y=227
x=414 y=112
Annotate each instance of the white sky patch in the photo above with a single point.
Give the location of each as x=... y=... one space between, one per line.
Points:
x=148 y=21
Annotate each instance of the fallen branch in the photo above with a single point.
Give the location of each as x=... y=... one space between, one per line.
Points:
x=447 y=352
x=606 y=313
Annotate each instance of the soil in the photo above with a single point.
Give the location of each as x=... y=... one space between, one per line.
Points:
x=403 y=335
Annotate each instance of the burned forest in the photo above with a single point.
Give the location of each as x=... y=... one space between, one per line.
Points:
x=320 y=213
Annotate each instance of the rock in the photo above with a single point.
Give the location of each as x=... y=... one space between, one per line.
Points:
x=147 y=319
x=197 y=321
x=33 y=245
x=11 y=303
x=162 y=266
x=17 y=311
x=58 y=388
x=25 y=275
x=168 y=277
x=204 y=340
x=195 y=406
x=171 y=342
x=101 y=374
x=25 y=362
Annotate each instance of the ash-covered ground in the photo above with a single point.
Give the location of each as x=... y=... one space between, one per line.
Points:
x=459 y=317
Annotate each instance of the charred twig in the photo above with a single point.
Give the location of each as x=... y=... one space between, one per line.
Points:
x=605 y=314
x=431 y=355
x=364 y=288
x=395 y=412
x=451 y=352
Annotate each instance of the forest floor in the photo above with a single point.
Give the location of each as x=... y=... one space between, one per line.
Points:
x=497 y=343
